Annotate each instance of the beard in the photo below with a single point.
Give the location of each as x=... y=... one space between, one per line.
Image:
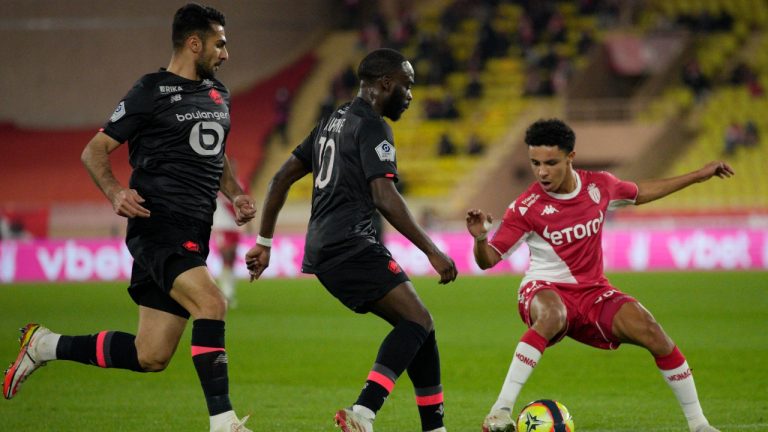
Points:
x=395 y=105
x=204 y=68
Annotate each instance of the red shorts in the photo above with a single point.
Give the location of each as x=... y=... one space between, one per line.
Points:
x=226 y=238
x=590 y=310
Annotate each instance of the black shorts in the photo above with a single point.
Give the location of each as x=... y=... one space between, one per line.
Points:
x=164 y=246
x=363 y=278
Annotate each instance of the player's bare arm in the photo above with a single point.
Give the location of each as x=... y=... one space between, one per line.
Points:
x=257 y=258
x=650 y=190
x=245 y=208
x=95 y=157
x=390 y=203
x=478 y=223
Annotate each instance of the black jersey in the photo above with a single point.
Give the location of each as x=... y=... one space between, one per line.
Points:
x=176 y=131
x=353 y=147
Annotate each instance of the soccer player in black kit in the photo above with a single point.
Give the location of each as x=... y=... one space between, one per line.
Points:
x=352 y=159
x=176 y=123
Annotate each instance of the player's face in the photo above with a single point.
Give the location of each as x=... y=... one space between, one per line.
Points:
x=213 y=54
x=400 y=96
x=552 y=168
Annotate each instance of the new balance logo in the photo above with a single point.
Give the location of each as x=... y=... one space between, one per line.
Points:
x=548 y=210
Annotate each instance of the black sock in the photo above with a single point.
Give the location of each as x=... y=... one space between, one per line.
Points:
x=210 y=361
x=424 y=372
x=106 y=349
x=396 y=352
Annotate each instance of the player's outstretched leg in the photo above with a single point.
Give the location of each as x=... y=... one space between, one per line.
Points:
x=527 y=355
x=39 y=345
x=424 y=372
x=674 y=368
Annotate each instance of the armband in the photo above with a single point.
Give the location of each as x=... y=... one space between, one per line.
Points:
x=266 y=242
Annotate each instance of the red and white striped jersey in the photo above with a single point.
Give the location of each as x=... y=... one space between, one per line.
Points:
x=564 y=231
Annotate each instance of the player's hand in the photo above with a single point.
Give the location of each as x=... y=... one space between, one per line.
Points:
x=127 y=203
x=478 y=222
x=444 y=266
x=715 y=168
x=257 y=260
x=245 y=210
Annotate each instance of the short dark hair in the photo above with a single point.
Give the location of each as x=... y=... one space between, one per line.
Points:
x=378 y=63
x=551 y=132
x=192 y=19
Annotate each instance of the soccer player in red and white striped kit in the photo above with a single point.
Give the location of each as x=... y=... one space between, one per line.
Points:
x=565 y=292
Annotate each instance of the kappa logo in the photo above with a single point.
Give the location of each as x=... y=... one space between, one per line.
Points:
x=119 y=112
x=386 y=151
x=548 y=210
x=594 y=193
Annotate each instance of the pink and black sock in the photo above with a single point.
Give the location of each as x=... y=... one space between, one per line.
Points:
x=106 y=349
x=210 y=361
x=424 y=372
x=395 y=354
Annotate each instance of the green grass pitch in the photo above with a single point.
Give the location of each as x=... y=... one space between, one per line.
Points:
x=296 y=355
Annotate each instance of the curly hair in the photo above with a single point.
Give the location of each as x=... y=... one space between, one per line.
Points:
x=551 y=132
x=192 y=19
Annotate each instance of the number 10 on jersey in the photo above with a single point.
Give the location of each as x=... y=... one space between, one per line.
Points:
x=327 y=155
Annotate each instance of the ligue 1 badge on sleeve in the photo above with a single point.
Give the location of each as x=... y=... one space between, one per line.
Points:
x=119 y=112
x=386 y=151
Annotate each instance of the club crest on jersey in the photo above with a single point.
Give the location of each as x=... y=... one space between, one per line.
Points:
x=594 y=193
x=386 y=151
x=216 y=96
x=119 y=112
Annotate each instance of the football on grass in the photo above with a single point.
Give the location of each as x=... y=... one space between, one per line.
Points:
x=545 y=416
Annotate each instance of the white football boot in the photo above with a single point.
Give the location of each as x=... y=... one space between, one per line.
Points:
x=706 y=428
x=27 y=360
x=350 y=421
x=499 y=420
x=232 y=425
